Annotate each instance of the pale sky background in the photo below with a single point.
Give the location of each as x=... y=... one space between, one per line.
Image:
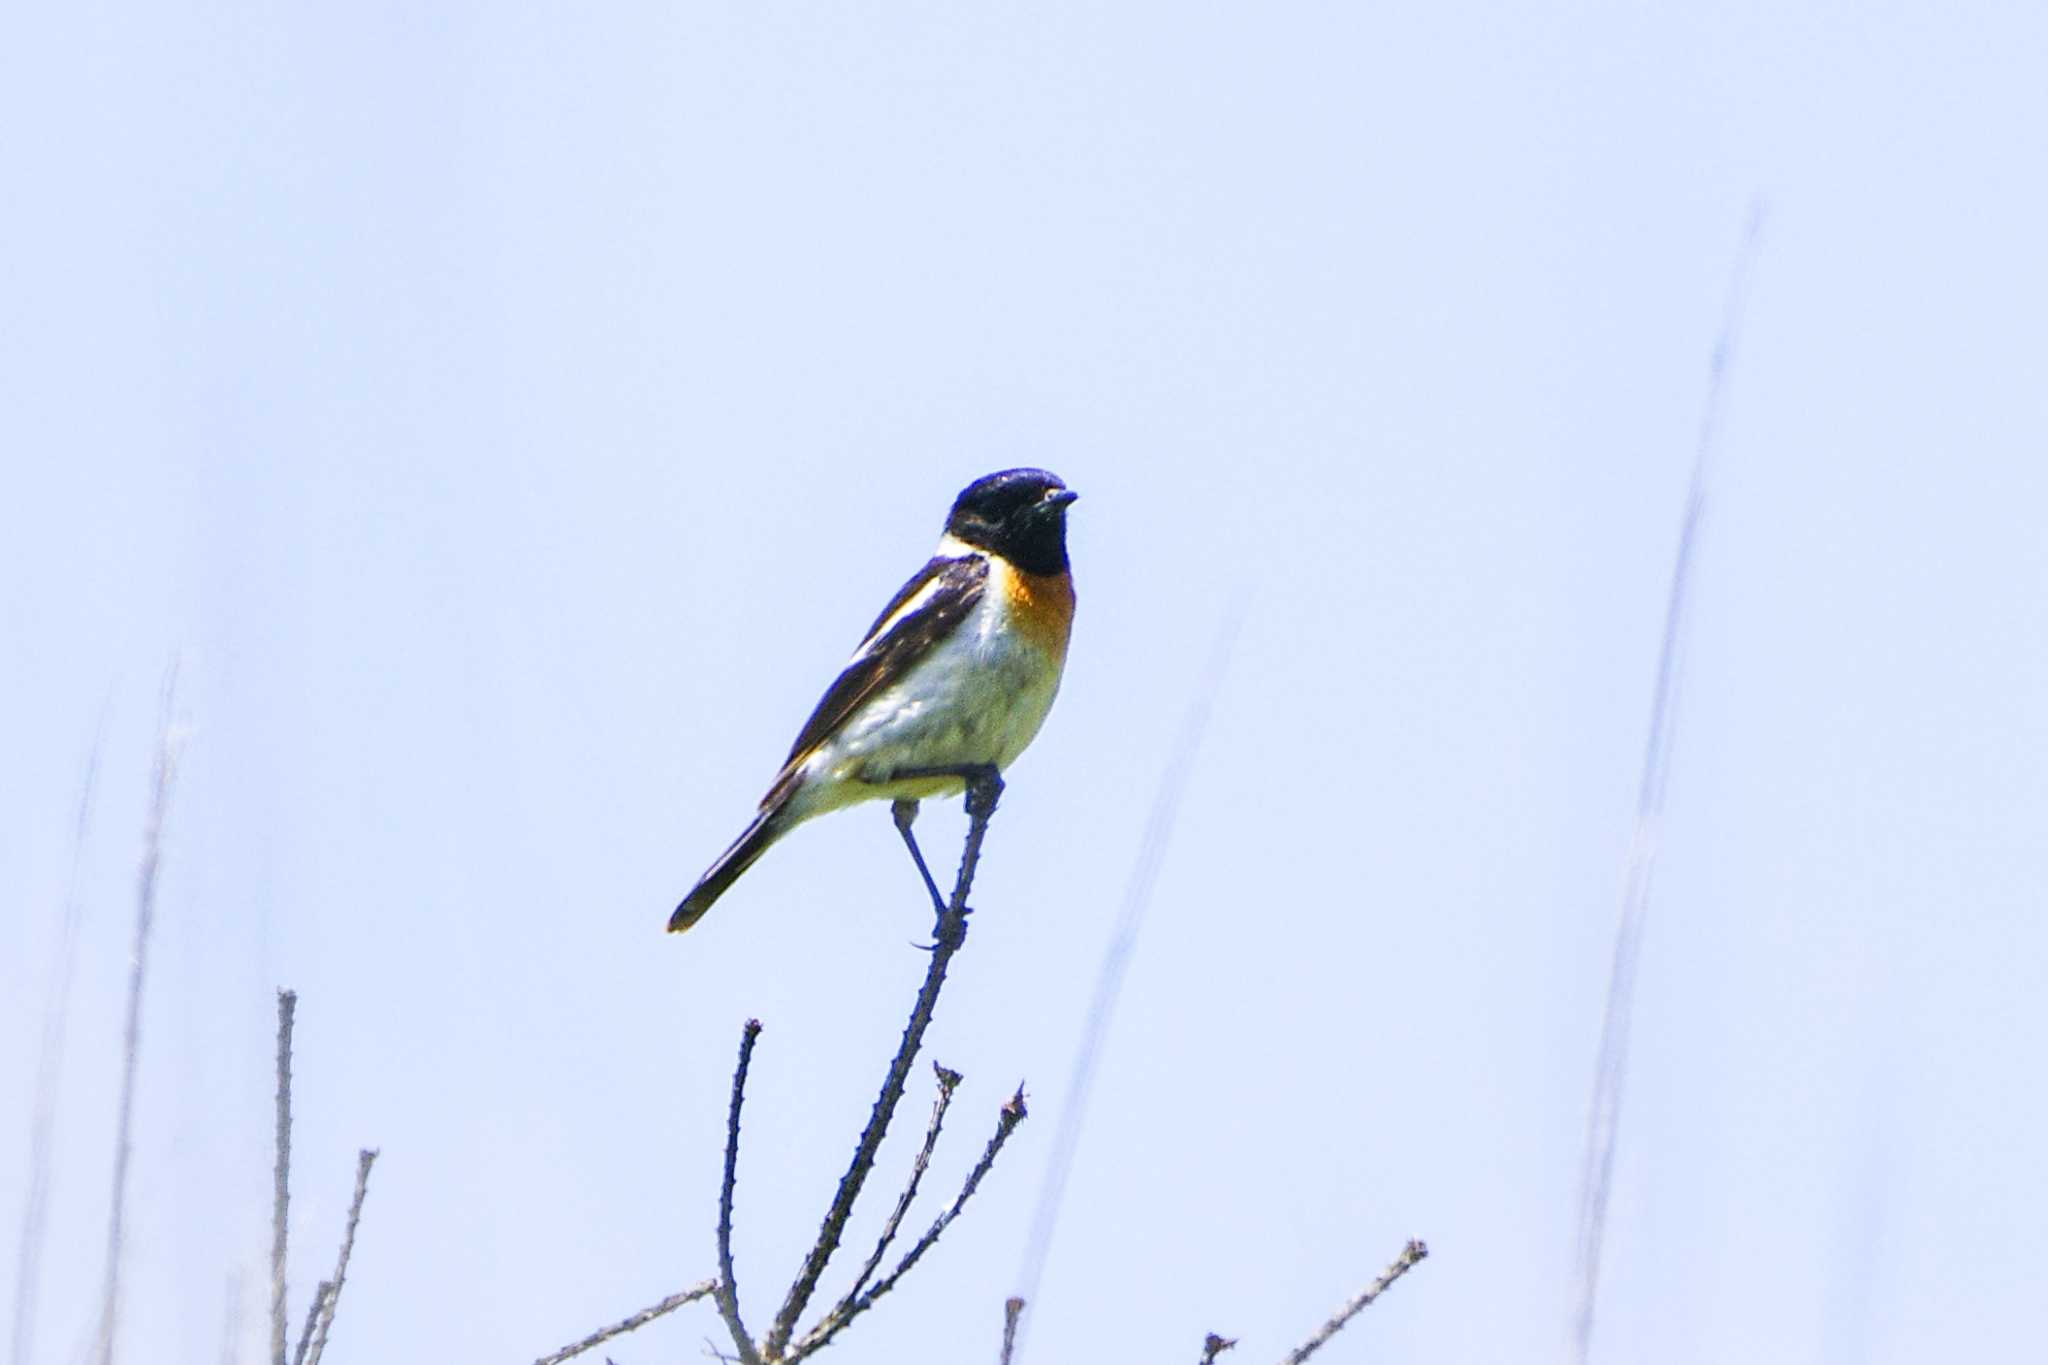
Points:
x=514 y=414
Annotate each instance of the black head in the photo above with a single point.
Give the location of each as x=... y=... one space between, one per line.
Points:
x=1020 y=514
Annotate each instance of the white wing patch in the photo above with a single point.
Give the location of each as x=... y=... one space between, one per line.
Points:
x=915 y=603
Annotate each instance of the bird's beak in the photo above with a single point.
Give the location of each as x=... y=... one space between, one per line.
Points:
x=1060 y=497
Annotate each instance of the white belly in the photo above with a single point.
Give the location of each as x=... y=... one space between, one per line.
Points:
x=978 y=698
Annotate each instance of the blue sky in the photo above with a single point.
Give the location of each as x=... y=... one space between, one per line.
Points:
x=514 y=413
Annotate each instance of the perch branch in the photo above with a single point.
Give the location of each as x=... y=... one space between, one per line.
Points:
x=1410 y=1256
x=633 y=1323
x=983 y=791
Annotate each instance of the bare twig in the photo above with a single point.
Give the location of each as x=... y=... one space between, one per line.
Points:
x=1610 y=1067
x=1410 y=1256
x=281 y=1180
x=633 y=1323
x=332 y=1292
x=1214 y=1345
x=948 y=1080
x=1116 y=960
x=1013 y=1113
x=49 y=1067
x=1013 y=1309
x=313 y=1307
x=982 y=794
x=1008 y=1117
x=728 y=1291
x=131 y=1045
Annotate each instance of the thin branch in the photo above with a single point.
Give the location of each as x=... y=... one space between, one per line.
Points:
x=1214 y=1345
x=168 y=740
x=1603 y=1119
x=728 y=1291
x=948 y=1080
x=1117 y=956
x=1013 y=1309
x=1008 y=1117
x=982 y=795
x=313 y=1307
x=1410 y=1256
x=364 y=1160
x=633 y=1323
x=1013 y=1113
x=50 y=1067
x=281 y=1181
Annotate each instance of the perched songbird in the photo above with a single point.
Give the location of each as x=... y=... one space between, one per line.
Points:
x=952 y=681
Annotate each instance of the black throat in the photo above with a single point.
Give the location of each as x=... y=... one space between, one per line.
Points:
x=1035 y=541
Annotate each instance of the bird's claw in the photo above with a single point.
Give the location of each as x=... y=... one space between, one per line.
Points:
x=983 y=791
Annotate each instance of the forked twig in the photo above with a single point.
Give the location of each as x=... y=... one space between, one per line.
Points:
x=948 y=1080
x=1008 y=1117
x=313 y=1307
x=629 y=1324
x=983 y=792
x=1013 y=1113
x=727 y=1292
x=1411 y=1255
x=332 y=1289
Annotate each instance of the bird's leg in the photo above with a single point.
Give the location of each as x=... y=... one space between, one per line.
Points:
x=904 y=812
x=984 y=788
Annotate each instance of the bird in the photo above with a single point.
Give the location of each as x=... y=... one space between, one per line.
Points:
x=946 y=689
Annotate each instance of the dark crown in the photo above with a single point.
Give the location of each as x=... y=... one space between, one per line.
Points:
x=1020 y=514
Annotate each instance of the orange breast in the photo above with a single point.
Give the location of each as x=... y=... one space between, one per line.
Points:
x=1042 y=608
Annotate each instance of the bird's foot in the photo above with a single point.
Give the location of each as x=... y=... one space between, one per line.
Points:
x=984 y=789
x=951 y=929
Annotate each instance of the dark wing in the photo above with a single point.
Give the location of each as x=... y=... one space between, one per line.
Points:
x=952 y=587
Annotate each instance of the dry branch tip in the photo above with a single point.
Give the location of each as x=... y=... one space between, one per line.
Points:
x=1410 y=1256
x=625 y=1325
x=727 y=1293
x=1013 y=1313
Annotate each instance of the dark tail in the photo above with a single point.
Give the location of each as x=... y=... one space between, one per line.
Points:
x=766 y=829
